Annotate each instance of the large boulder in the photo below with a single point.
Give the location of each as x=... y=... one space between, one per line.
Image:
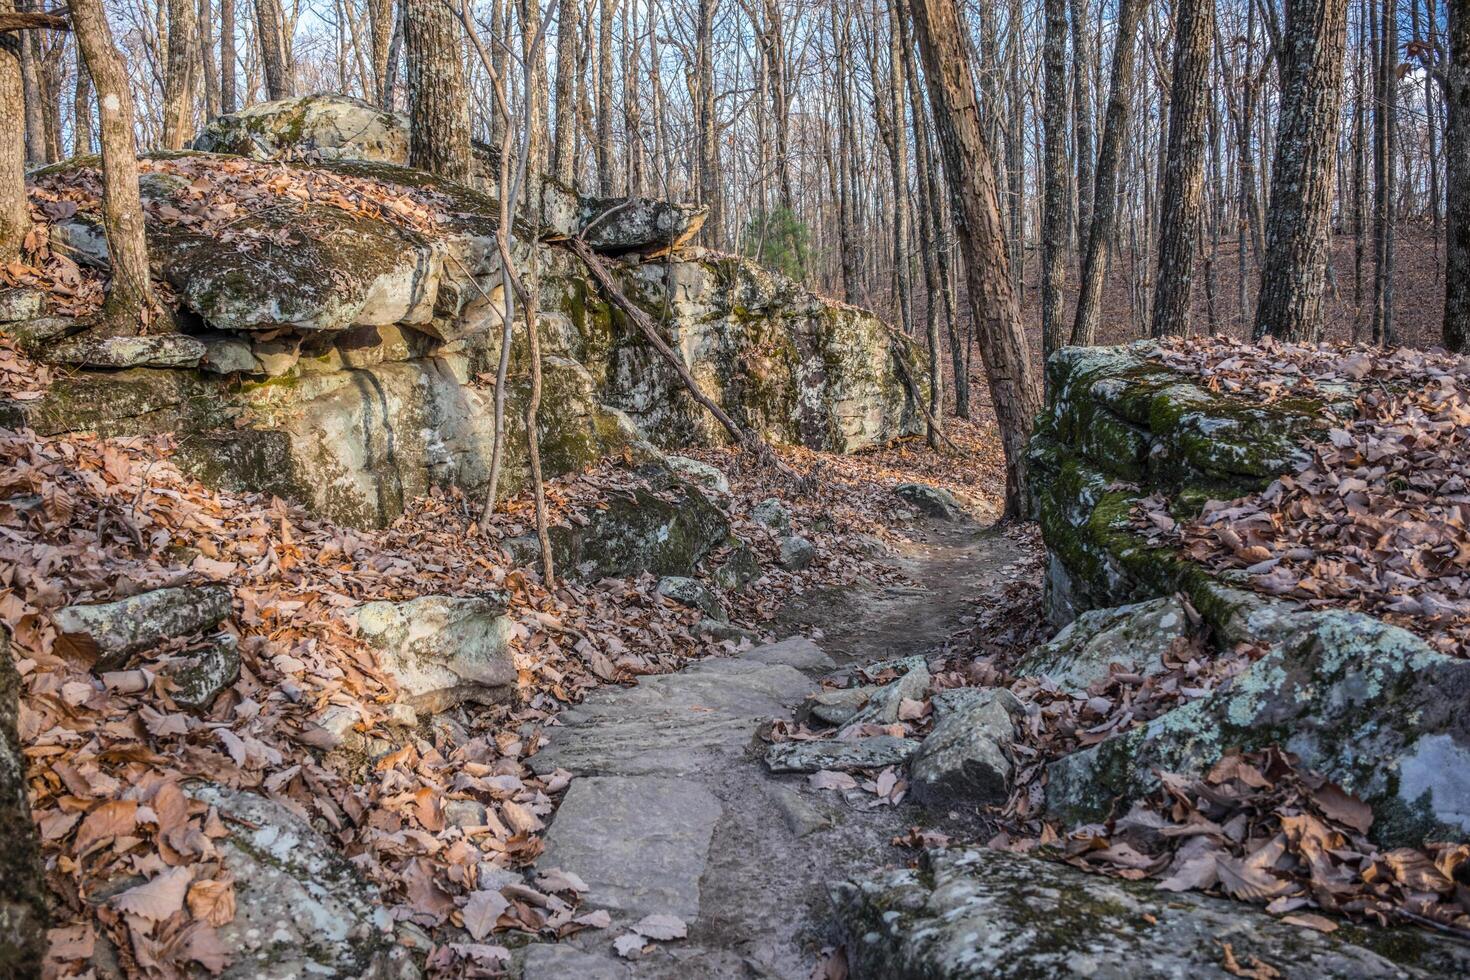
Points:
x=1369 y=705
x=22 y=885
x=1136 y=637
x=301 y=908
x=443 y=650
x=327 y=127
x=974 y=914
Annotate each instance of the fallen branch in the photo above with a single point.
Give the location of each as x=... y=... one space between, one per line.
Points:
x=908 y=380
x=33 y=21
x=745 y=438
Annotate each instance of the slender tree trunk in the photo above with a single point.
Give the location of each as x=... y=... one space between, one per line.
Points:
x=1456 y=328
x=1084 y=52
x=1179 y=220
x=563 y=154
x=1015 y=145
x=1054 y=178
x=1289 y=306
x=30 y=81
x=228 y=101
x=967 y=163
x=178 y=81
x=382 y=21
x=130 y=293
x=208 y=73
x=275 y=57
x=438 y=112
x=81 y=126
x=605 y=100
x=1386 y=167
x=1105 y=191
x=707 y=125
x=14 y=213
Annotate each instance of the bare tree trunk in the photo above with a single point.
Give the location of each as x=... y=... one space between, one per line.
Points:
x=1179 y=220
x=228 y=101
x=1084 y=52
x=30 y=81
x=1456 y=328
x=439 y=138
x=81 y=126
x=967 y=163
x=1290 y=302
x=275 y=54
x=707 y=125
x=1386 y=172
x=1015 y=145
x=14 y=214
x=382 y=22
x=1054 y=177
x=209 y=75
x=604 y=99
x=178 y=81
x=130 y=301
x=563 y=155
x=1105 y=192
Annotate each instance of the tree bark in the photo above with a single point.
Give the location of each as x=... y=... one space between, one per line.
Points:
x=178 y=79
x=982 y=236
x=228 y=101
x=1290 y=302
x=382 y=16
x=81 y=126
x=1083 y=54
x=438 y=105
x=14 y=214
x=130 y=293
x=1179 y=216
x=1054 y=191
x=1456 y=328
x=1385 y=172
x=275 y=49
x=1105 y=190
x=605 y=184
x=707 y=125
x=563 y=153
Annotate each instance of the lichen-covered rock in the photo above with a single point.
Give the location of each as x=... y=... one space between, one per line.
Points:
x=699 y=472
x=797 y=553
x=108 y=633
x=935 y=502
x=965 y=760
x=692 y=593
x=328 y=127
x=1136 y=637
x=973 y=914
x=636 y=224
x=840 y=755
x=738 y=568
x=301 y=908
x=883 y=706
x=1366 y=704
x=835 y=706
x=20 y=304
x=169 y=350
x=443 y=650
x=196 y=679
x=22 y=885
x=666 y=528
x=773 y=514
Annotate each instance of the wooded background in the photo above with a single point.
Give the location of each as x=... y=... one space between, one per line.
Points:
x=806 y=127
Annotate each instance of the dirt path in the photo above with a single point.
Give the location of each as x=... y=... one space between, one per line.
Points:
x=673 y=812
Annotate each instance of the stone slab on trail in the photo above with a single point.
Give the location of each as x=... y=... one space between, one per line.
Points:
x=975 y=913
x=639 y=842
x=672 y=723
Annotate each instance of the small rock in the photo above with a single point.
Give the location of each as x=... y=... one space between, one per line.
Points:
x=772 y=513
x=339 y=720
x=835 y=707
x=108 y=633
x=801 y=816
x=34 y=336
x=699 y=472
x=692 y=593
x=1135 y=636
x=172 y=350
x=20 y=304
x=966 y=760
x=199 y=678
x=402 y=715
x=934 y=501
x=724 y=632
x=797 y=553
x=882 y=707
x=492 y=877
x=465 y=813
x=443 y=650
x=794 y=651
x=228 y=354
x=738 y=569
x=276 y=357
x=840 y=755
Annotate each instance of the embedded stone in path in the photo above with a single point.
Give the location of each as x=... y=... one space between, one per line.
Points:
x=874 y=752
x=794 y=651
x=639 y=842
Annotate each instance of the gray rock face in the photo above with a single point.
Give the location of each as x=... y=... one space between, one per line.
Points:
x=330 y=127
x=20 y=304
x=797 y=553
x=883 y=706
x=638 y=224
x=772 y=513
x=1134 y=636
x=301 y=908
x=23 y=917
x=738 y=568
x=794 y=651
x=696 y=471
x=108 y=633
x=170 y=350
x=873 y=752
x=637 y=841
x=991 y=915
x=837 y=706
x=443 y=650
x=1368 y=705
x=199 y=678
x=692 y=593
x=965 y=760
x=935 y=502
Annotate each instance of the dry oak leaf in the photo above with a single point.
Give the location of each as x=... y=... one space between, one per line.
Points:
x=482 y=911
x=157 y=899
x=213 y=901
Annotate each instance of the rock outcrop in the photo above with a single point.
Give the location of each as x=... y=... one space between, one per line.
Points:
x=344 y=357
x=442 y=650
x=992 y=915
x=108 y=633
x=1370 y=706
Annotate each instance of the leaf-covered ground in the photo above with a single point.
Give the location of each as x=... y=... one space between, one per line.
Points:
x=1376 y=520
